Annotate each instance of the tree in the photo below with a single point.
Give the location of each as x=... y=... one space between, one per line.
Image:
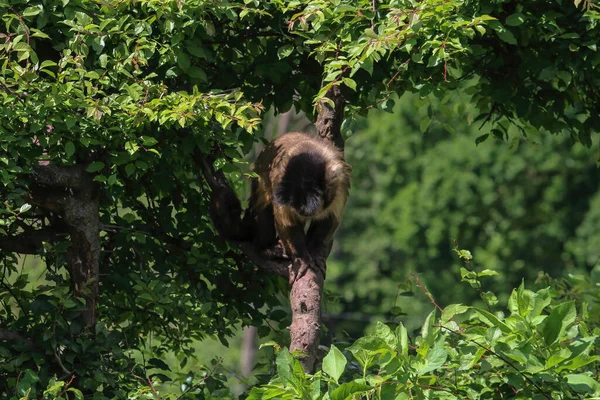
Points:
x=109 y=107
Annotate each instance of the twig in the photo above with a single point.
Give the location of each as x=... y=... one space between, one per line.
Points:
x=62 y=366
x=426 y=292
x=66 y=386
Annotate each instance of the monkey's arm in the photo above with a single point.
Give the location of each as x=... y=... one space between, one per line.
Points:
x=320 y=239
x=293 y=239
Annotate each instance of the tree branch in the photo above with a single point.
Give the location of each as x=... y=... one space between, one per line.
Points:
x=329 y=120
x=30 y=242
x=59 y=177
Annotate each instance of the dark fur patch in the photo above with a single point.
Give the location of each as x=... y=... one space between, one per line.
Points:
x=303 y=184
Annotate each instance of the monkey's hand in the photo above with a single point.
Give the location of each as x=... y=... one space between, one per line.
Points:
x=298 y=268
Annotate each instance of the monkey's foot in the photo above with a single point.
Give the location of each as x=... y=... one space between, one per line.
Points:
x=319 y=265
x=299 y=268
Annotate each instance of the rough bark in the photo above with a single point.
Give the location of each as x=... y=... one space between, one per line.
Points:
x=330 y=118
x=305 y=330
x=71 y=192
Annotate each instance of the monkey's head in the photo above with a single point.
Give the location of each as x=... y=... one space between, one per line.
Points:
x=303 y=186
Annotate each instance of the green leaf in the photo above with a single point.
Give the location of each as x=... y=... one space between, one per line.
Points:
x=384 y=332
x=367 y=65
x=388 y=105
x=287 y=369
x=561 y=317
x=559 y=357
x=452 y=310
x=424 y=124
x=481 y=139
x=25 y=207
x=183 y=60
x=158 y=363
x=402 y=338
x=31 y=11
x=515 y=19
x=507 y=36
x=149 y=140
x=69 y=149
x=583 y=383
x=348 y=390
x=491 y=320
x=334 y=363
x=77 y=393
x=435 y=359
x=95 y=166
x=198 y=73
x=285 y=51
x=350 y=83
x=427 y=330
x=570 y=35
x=366 y=348
x=47 y=63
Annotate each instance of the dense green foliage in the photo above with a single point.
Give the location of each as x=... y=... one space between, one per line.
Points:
x=127 y=90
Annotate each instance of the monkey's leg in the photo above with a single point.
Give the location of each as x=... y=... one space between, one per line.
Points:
x=320 y=240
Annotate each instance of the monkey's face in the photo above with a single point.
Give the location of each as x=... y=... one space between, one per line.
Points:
x=305 y=197
x=308 y=203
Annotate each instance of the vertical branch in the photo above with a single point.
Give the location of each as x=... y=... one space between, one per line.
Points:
x=330 y=118
x=307 y=291
x=81 y=215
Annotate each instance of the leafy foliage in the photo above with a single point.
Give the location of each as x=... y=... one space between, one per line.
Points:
x=127 y=91
x=543 y=346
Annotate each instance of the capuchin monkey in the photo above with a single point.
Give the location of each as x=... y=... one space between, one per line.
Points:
x=301 y=179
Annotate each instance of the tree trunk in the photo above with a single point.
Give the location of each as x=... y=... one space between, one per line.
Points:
x=81 y=214
x=71 y=192
x=305 y=299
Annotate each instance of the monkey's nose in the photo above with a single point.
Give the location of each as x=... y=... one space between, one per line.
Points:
x=307 y=211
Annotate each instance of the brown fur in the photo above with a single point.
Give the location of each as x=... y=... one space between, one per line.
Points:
x=314 y=246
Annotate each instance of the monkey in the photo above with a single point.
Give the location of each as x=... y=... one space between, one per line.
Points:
x=301 y=179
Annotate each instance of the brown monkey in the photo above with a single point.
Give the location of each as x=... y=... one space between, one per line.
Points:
x=301 y=179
